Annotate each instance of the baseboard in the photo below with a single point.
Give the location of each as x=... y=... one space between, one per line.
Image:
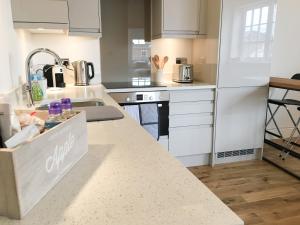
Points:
x=194 y=160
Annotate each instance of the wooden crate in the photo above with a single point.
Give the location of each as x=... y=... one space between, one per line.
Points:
x=30 y=171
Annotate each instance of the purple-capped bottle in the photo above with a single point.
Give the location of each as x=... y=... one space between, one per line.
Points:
x=66 y=108
x=55 y=112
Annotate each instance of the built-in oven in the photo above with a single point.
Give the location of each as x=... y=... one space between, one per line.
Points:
x=138 y=99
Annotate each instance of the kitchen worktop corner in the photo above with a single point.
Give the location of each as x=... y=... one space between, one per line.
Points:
x=126 y=178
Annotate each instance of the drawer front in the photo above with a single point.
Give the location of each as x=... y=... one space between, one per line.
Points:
x=186 y=141
x=190 y=120
x=191 y=107
x=192 y=95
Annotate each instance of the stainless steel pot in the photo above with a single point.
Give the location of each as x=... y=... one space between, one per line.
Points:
x=83 y=72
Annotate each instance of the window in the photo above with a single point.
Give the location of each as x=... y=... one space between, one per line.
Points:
x=257 y=33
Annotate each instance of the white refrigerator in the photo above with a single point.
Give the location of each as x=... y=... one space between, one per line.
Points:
x=245 y=53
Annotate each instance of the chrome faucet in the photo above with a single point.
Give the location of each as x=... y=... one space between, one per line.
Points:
x=28 y=86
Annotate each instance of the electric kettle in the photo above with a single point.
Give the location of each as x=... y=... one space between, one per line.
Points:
x=83 y=72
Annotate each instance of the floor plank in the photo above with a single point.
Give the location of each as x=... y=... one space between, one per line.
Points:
x=258 y=192
x=290 y=163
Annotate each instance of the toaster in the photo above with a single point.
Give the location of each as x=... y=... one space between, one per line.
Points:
x=183 y=73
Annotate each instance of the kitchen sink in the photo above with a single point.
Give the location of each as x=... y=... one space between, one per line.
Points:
x=88 y=103
x=78 y=104
x=95 y=110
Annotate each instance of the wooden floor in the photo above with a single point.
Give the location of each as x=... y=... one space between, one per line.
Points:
x=258 y=192
x=290 y=163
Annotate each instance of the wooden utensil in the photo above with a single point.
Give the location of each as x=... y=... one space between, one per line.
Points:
x=156 y=61
x=166 y=59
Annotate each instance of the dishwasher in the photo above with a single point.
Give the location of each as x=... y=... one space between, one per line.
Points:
x=149 y=101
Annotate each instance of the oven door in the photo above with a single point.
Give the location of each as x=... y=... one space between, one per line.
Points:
x=163 y=115
x=163 y=111
x=163 y=108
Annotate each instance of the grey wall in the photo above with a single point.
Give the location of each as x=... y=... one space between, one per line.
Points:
x=118 y=16
x=114 y=43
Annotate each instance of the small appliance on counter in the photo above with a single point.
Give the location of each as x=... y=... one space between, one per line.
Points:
x=82 y=73
x=183 y=72
x=54 y=75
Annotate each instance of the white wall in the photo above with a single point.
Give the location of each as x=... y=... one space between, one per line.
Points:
x=202 y=53
x=286 y=52
x=13 y=45
x=172 y=48
x=74 y=48
x=205 y=59
x=16 y=44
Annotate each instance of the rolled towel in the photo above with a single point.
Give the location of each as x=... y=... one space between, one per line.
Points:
x=152 y=129
x=149 y=113
x=133 y=111
x=150 y=119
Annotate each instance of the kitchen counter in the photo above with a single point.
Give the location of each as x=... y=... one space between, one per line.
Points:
x=126 y=178
x=285 y=83
x=170 y=86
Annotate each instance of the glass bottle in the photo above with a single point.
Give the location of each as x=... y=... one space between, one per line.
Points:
x=67 y=111
x=55 y=115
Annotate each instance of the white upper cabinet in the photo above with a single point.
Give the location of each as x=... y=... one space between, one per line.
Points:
x=40 y=13
x=80 y=17
x=247 y=36
x=177 y=18
x=85 y=17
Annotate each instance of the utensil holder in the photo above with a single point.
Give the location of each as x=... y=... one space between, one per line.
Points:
x=158 y=76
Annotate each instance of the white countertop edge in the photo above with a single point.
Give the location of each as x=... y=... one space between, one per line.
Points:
x=168 y=87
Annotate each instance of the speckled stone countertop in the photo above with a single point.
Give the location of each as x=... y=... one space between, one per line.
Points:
x=126 y=178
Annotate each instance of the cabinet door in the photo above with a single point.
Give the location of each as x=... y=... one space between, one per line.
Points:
x=244 y=60
x=156 y=18
x=84 y=16
x=240 y=118
x=188 y=141
x=181 y=16
x=40 y=11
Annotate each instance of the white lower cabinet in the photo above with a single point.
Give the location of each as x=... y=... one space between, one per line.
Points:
x=192 y=140
x=240 y=120
x=191 y=126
